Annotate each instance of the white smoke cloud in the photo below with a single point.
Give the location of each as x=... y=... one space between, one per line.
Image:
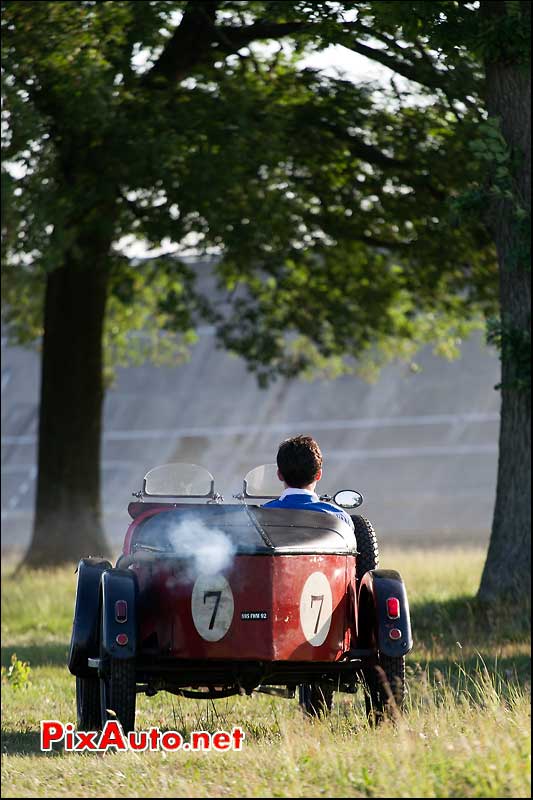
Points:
x=207 y=550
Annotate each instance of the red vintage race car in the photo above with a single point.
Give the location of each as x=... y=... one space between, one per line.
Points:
x=211 y=599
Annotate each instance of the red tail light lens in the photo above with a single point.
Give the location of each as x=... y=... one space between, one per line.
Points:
x=121 y=611
x=122 y=639
x=393 y=607
x=395 y=633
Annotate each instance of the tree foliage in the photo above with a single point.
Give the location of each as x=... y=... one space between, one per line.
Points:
x=296 y=180
x=352 y=222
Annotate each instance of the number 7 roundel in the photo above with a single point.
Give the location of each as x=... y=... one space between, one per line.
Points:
x=212 y=606
x=316 y=607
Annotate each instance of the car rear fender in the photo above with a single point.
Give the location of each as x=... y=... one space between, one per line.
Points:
x=84 y=639
x=119 y=613
x=374 y=622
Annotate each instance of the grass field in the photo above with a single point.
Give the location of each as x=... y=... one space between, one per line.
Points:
x=466 y=732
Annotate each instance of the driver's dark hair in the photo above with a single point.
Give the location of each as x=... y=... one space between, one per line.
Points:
x=299 y=459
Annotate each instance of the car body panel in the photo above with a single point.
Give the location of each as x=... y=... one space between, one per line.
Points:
x=375 y=625
x=264 y=607
x=84 y=642
x=119 y=586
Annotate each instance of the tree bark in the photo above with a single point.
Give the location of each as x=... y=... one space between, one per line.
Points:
x=507 y=571
x=67 y=518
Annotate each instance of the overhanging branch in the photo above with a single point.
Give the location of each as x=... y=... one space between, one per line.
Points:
x=198 y=41
x=188 y=45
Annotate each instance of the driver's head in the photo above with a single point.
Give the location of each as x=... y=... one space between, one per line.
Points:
x=299 y=462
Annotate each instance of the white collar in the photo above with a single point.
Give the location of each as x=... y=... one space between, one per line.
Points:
x=292 y=490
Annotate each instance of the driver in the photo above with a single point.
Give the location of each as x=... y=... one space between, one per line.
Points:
x=300 y=468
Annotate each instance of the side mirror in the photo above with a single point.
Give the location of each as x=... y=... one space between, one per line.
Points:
x=348 y=498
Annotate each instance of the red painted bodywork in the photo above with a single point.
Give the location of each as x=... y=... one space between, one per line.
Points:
x=272 y=584
x=269 y=583
x=139 y=515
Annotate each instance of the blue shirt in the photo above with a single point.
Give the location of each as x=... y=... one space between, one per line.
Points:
x=308 y=501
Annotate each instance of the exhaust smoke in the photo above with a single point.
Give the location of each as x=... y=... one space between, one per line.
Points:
x=208 y=550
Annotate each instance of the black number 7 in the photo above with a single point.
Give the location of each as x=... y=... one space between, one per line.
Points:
x=218 y=595
x=321 y=598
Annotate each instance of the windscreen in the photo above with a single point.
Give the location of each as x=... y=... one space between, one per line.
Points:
x=263 y=482
x=178 y=480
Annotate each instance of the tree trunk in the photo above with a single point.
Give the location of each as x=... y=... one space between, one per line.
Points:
x=67 y=519
x=507 y=571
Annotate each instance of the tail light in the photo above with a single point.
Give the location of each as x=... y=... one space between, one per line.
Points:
x=393 y=607
x=122 y=639
x=395 y=633
x=121 y=611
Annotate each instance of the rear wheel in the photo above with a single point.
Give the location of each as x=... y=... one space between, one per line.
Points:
x=367 y=546
x=385 y=688
x=88 y=704
x=118 y=693
x=316 y=699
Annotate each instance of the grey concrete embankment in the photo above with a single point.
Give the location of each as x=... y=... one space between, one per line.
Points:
x=421 y=447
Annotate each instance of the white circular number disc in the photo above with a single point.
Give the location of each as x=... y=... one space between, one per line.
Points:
x=316 y=606
x=212 y=606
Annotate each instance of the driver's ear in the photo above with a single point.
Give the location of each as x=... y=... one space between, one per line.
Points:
x=280 y=476
x=318 y=475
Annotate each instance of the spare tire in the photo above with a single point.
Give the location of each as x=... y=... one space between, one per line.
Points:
x=367 y=546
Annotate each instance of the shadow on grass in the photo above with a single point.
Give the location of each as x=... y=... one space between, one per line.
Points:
x=475 y=636
x=509 y=670
x=38 y=655
x=24 y=744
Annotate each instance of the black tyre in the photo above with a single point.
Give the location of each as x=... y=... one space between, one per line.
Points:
x=385 y=689
x=117 y=693
x=367 y=546
x=316 y=699
x=88 y=704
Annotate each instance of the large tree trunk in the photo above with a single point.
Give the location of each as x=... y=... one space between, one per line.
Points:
x=507 y=571
x=67 y=519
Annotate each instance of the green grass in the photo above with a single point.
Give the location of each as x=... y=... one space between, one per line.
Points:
x=466 y=732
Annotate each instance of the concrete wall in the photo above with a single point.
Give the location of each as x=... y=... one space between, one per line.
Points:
x=421 y=447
